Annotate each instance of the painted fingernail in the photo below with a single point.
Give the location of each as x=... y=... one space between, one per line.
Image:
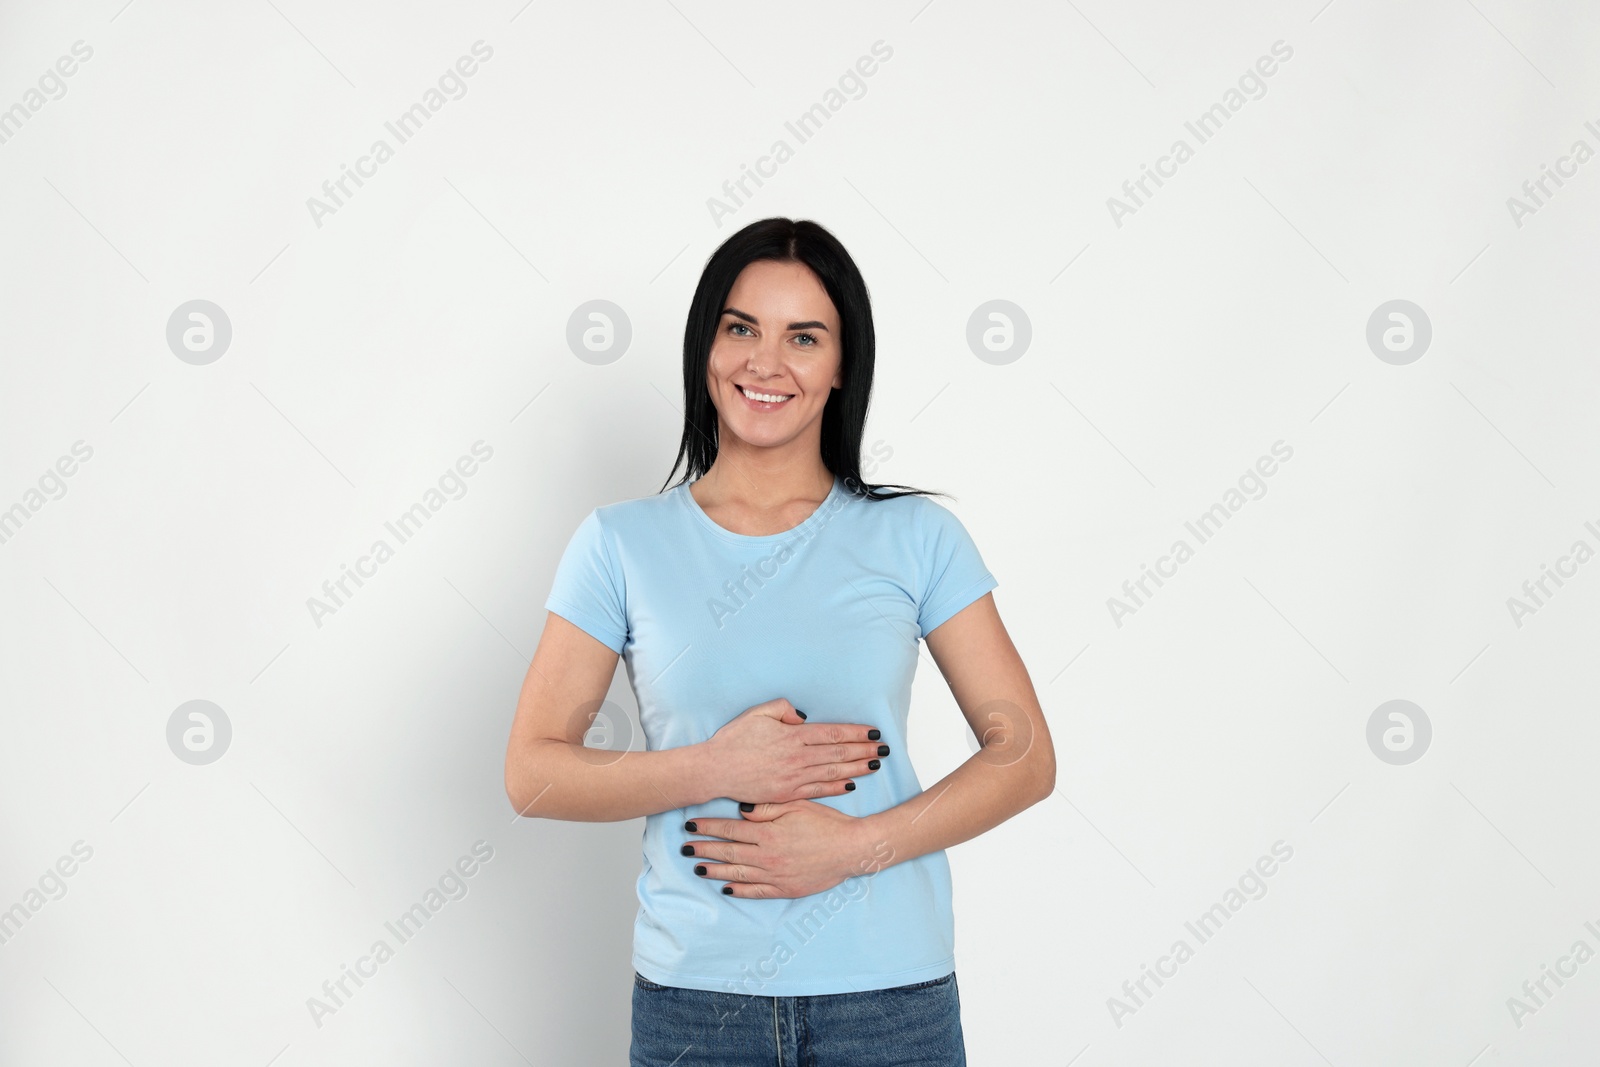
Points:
x=883 y=750
x=800 y=713
x=689 y=826
x=873 y=735
x=699 y=868
x=746 y=807
x=849 y=786
x=728 y=889
x=874 y=764
x=686 y=850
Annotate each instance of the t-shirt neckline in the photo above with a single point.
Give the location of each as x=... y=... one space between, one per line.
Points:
x=816 y=518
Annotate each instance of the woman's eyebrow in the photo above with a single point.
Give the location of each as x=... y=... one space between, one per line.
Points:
x=751 y=319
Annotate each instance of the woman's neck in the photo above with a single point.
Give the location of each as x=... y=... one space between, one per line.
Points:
x=744 y=488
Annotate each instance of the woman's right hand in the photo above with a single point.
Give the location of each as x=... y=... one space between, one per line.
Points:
x=770 y=755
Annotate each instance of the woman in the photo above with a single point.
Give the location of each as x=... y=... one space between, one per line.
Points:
x=795 y=899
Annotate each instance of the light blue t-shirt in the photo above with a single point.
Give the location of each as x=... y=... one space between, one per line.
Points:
x=828 y=615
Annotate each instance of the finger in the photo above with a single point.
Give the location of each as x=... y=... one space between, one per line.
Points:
x=730 y=872
x=851 y=735
x=845 y=756
x=766 y=812
x=729 y=829
x=783 y=711
x=836 y=787
x=861 y=768
x=754 y=890
x=722 y=852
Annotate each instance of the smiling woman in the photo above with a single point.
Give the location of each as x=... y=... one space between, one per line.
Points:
x=795 y=883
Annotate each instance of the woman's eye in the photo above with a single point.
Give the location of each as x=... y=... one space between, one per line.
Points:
x=810 y=337
x=738 y=326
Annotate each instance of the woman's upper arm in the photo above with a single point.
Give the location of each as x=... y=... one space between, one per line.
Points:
x=566 y=683
x=991 y=684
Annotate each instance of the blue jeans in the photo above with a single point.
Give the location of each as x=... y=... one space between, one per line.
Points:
x=917 y=1025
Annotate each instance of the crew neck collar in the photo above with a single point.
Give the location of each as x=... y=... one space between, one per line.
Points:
x=829 y=505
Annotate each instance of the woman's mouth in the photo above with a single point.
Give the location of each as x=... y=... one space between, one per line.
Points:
x=759 y=401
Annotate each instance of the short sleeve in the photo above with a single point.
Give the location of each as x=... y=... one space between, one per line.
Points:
x=953 y=571
x=588 y=589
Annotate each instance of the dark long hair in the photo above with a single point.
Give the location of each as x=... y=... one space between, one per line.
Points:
x=844 y=416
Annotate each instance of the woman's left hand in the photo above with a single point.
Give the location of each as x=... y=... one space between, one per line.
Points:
x=786 y=850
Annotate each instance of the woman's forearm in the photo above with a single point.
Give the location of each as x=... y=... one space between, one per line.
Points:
x=977 y=796
x=560 y=780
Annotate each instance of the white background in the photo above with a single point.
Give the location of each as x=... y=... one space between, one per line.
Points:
x=1168 y=353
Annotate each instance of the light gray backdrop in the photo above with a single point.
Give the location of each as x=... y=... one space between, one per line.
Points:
x=1352 y=322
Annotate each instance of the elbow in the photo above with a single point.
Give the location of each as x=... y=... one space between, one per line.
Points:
x=518 y=805
x=513 y=788
x=520 y=776
x=522 y=803
x=1031 y=776
x=514 y=796
x=1045 y=772
x=1045 y=785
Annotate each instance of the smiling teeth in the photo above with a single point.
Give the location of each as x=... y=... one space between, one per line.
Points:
x=765 y=398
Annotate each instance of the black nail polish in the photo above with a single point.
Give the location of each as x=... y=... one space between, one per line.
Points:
x=800 y=713
x=728 y=889
x=849 y=786
x=873 y=735
x=689 y=826
x=699 y=868
x=883 y=750
x=746 y=807
x=686 y=850
x=874 y=764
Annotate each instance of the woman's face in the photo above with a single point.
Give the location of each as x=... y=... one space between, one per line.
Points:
x=778 y=336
